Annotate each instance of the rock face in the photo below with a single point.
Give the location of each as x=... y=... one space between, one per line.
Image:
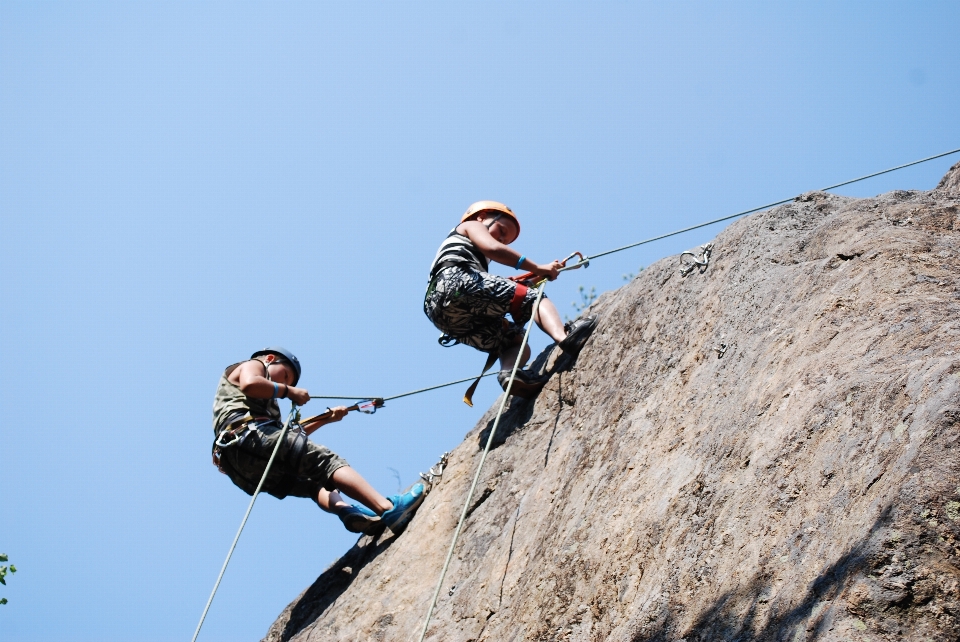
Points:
x=802 y=486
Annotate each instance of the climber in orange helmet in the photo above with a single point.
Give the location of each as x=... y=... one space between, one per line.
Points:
x=469 y=305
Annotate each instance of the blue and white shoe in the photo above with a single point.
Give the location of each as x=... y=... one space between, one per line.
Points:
x=366 y=511
x=360 y=519
x=404 y=506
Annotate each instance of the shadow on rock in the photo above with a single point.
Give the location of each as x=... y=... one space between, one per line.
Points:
x=314 y=602
x=515 y=415
x=751 y=614
x=518 y=411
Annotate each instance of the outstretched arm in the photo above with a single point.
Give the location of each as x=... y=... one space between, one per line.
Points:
x=333 y=414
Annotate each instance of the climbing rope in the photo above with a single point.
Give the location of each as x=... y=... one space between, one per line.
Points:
x=407 y=394
x=584 y=262
x=757 y=209
x=476 y=477
x=293 y=417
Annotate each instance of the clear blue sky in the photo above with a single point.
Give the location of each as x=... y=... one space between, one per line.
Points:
x=184 y=183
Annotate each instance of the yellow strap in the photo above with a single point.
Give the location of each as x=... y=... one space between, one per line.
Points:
x=468 y=396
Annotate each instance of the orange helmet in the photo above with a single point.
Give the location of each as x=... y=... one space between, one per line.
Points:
x=487 y=206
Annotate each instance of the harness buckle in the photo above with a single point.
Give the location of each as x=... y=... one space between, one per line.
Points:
x=235 y=432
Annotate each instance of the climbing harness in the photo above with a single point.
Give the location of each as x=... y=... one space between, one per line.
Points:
x=701 y=262
x=233 y=434
x=524 y=283
x=491 y=359
x=476 y=477
x=293 y=419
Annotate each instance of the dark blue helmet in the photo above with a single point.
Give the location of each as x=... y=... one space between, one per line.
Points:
x=283 y=354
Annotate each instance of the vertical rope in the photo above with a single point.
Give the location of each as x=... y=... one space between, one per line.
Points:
x=283 y=433
x=476 y=477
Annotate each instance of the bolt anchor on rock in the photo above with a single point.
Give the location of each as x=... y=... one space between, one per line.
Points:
x=695 y=262
x=433 y=475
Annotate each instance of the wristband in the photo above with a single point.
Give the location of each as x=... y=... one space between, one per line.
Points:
x=286 y=391
x=523 y=257
x=274 y=391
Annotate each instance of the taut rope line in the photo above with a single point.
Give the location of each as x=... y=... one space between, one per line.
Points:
x=651 y=240
x=283 y=433
x=476 y=477
x=762 y=207
x=407 y=394
x=658 y=238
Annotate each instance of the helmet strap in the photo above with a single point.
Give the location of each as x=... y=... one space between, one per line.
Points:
x=489 y=223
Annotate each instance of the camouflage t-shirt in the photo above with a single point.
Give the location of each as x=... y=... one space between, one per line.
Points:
x=230 y=402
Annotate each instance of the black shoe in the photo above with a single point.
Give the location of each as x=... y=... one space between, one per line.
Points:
x=525 y=384
x=577 y=334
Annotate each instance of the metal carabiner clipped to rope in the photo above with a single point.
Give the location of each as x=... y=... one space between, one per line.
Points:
x=582 y=263
x=532 y=280
x=367 y=407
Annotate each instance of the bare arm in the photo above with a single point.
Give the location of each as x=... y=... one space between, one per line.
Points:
x=335 y=414
x=494 y=250
x=249 y=378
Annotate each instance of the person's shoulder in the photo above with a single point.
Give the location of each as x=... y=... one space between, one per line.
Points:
x=464 y=228
x=244 y=366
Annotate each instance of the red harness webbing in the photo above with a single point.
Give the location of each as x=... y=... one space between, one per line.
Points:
x=518 y=295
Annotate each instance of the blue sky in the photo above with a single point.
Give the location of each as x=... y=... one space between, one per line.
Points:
x=184 y=183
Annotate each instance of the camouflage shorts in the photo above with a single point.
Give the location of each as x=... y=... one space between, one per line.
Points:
x=244 y=464
x=470 y=306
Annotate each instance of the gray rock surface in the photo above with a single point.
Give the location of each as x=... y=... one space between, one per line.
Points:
x=802 y=487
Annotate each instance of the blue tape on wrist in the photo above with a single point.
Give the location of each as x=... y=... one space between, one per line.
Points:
x=274 y=391
x=523 y=257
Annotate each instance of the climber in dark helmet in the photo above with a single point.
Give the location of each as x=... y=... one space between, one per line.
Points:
x=469 y=305
x=247 y=424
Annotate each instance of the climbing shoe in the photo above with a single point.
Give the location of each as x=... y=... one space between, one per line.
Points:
x=360 y=519
x=404 y=506
x=577 y=334
x=526 y=385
